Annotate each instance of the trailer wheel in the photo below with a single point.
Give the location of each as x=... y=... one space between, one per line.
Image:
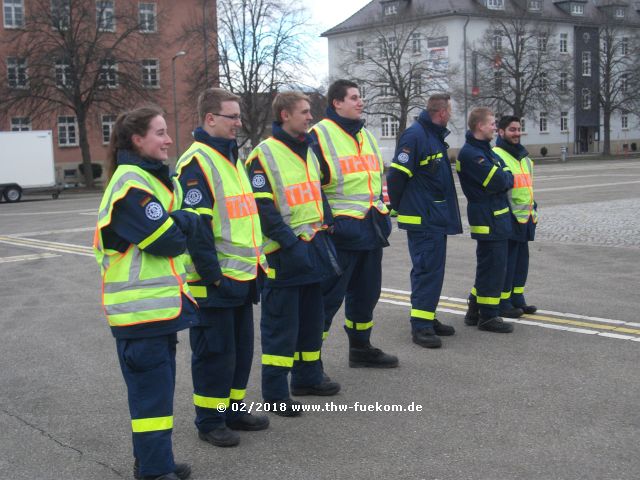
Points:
x=13 y=194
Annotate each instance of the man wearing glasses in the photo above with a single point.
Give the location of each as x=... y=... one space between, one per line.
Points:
x=226 y=255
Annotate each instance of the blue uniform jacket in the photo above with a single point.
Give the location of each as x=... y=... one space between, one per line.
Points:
x=130 y=225
x=420 y=180
x=297 y=262
x=520 y=232
x=202 y=246
x=351 y=233
x=485 y=179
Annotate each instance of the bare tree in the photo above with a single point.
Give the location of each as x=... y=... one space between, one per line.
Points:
x=619 y=70
x=516 y=68
x=260 y=53
x=394 y=69
x=75 y=56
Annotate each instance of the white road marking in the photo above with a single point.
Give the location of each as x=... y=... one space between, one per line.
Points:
x=52 y=232
x=25 y=258
x=581 y=187
x=52 y=246
x=61 y=212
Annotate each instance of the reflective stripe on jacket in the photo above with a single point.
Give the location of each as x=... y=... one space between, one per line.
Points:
x=296 y=188
x=521 y=195
x=138 y=287
x=356 y=170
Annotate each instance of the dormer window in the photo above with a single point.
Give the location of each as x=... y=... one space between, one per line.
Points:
x=391 y=9
x=577 y=9
x=619 y=12
x=495 y=4
x=534 y=5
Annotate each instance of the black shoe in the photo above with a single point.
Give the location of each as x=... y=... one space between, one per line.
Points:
x=494 y=324
x=221 y=437
x=166 y=476
x=249 y=423
x=182 y=472
x=324 y=389
x=512 y=312
x=473 y=313
x=528 y=309
x=287 y=408
x=443 y=330
x=426 y=338
x=371 y=357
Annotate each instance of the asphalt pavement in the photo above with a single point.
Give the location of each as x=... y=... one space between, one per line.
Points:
x=556 y=399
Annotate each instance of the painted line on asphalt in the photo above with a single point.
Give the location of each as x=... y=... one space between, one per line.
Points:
x=580 y=187
x=52 y=246
x=570 y=322
x=61 y=212
x=26 y=258
x=52 y=232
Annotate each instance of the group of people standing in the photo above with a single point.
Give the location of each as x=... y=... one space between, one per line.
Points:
x=299 y=226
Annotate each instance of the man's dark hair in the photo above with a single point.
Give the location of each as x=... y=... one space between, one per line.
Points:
x=338 y=90
x=506 y=120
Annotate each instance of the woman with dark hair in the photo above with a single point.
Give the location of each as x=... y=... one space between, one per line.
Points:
x=139 y=239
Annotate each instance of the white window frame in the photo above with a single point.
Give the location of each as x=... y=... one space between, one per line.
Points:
x=624 y=82
x=106 y=124
x=543 y=122
x=624 y=46
x=390 y=9
x=389 y=127
x=586 y=99
x=20 y=124
x=624 y=121
x=67 y=131
x=497 y=40
x=108 y=74
x=418 y=85
x=147 y=13
x=360 y=51
x=62 y=73
x=543 y=41
x=498 y=81
x=13 y=13
x=495 y=4
x=543 y=82
x=523 y=126
x=534 y=5
x=147 y=72
x=17 y=75
x=61 y=14
x=564 y=82
x=564 y=122
x=577 y=9
x=619 y=12
x=105 y=15
x=586 y=63
x=416 y=43
x=563 y=46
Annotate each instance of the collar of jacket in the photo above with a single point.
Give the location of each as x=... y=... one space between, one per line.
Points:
x=292 y=142
x=517 y=151
x=227 y=147
x=484 y=145
x=352 y=127
x=440 y=131
x=155 y=167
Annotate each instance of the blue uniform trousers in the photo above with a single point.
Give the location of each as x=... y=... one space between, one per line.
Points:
x=222 y=351
x=291 y=335
x=428 y=253
x=491 y=271
x=359 y=287
x=149 y=369
x=516 y=277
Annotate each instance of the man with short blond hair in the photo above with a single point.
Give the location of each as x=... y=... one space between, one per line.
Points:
x=485 y=180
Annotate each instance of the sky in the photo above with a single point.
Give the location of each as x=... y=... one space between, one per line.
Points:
x=324 y=15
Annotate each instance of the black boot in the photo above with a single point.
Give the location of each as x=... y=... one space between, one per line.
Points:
x=494 y=324
x=182 y=471
x=443 y=330
x=221 y=437
x=368 y=356
x=473 y=312
x=512 y=312
x=323 y=389
x=426 y=338
x=528 y=309
x=248 y=422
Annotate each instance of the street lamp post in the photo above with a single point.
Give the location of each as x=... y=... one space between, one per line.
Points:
x=175 y=101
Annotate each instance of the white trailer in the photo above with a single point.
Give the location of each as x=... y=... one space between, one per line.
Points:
x=26 y=162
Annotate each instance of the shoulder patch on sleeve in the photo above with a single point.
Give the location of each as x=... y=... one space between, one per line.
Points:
x=192 y=183
x=403 y=157
x=193 y=197
x=258 y=181
x=145 y=200
x=153 y=211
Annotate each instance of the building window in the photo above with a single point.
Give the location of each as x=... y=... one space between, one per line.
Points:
x=564 y=43
x=543 y=84
x=13 y=13
x=150 y=73
x=497 y=81
x=534 y=5
x=389 y=127
x=362 y=92
x=543 y=122
x=20 y=124
x=624 y=82
x=577 y=9
x=63 y=74
x=624 y=46
x=109 y=74
x=417 y=85
x=107 y=127
x=586 y=64
x=17 y=72
x=147 y=17
x=586 y=99
x=67 y=131
x=386 y=91
x=61 y=14
x=564 y=121
x=542 y=42
x=495 y=4
x=388 y=46
x=619 y=12
x=564 y=82
x=391 y=9
x=105 y=18
x=497 y=41
x=360 y=51
x=624 y=121
x=416 y=43
x=523 y=125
